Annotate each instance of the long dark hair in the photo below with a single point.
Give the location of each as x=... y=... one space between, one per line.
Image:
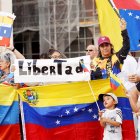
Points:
x=112 y=51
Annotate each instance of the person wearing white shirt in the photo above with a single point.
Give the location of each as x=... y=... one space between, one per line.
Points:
x=110 y=117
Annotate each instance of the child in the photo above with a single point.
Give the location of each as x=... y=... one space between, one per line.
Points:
x=110 y=117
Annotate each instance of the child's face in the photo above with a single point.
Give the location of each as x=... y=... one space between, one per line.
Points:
x=109 y=102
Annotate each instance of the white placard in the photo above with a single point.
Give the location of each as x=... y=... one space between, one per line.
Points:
x=48 y=70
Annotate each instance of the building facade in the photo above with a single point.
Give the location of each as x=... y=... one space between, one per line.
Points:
x=66 y=25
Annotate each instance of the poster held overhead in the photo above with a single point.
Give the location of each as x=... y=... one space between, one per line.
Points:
x=6 y=26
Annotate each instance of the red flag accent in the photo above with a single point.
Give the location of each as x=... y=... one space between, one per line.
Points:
x=127 y=4
x=5 y=42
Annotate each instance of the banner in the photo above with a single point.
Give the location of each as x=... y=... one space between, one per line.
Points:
x=69 y=112
x=6 y=26
x=9 y=114
x=48 y=70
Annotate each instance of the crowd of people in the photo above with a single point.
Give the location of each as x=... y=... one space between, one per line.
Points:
x=104 y=60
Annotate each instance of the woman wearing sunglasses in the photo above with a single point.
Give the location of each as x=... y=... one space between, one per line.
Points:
x=107 y=59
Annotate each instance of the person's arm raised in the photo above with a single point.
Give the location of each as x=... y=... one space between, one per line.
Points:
x=16 y=52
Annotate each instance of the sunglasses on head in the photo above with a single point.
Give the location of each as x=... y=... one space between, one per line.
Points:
x=104 y=45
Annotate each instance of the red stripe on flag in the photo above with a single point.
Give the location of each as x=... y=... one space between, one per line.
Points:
x=127 y=4
x=10 y=132
x=113 y=86
x=5 y=42
x=82 y=131
x=128 y=130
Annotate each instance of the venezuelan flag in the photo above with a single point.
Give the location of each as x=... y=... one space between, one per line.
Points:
x=6 y=27
x=130 y=11
x=110 y=22
x=85 y=69
x=69 y=112
x=9 y=114
x=115 y=82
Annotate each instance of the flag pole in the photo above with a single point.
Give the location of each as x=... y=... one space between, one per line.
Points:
x=114 y=8
x=82 y=65
x=93 y=95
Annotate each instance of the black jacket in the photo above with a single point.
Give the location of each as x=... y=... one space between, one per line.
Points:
x=102 y=66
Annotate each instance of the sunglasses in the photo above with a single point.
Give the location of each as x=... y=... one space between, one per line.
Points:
x=88 y=50
x=104 y=45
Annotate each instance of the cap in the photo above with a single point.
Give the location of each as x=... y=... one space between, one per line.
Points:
x=100 y=97
x=103 y=39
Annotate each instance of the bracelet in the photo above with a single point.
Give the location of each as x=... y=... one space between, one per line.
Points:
x=13 y=49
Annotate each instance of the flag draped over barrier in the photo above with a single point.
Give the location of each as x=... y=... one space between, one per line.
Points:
x=110 y=25
x=68 y=111
x=9 y=114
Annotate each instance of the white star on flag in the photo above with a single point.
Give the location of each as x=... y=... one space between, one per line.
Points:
x=67 y=112
x=90 y=110
x=130 y=14
x=83 y=109
x=75 y=109
x=94 y=116
x=4 y=31
x=137 y=17
x=57 y=122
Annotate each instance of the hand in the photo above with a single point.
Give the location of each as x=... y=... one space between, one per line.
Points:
x=16 y=86
x=123 y=24
x=105 y=120
x=137 y=114
x=134 y=78
x=100 y=113
x=11 y=47
x=127 y=94
x=92 y=66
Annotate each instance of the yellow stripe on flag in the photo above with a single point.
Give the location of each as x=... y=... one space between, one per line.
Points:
x=66 y=94
x=1 y=19
x=8 y=20
x=7 y=95
x=115 y=78
x=109 y=23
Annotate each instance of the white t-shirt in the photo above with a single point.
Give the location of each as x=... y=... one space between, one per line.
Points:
x=112 y=132
x=130 y=65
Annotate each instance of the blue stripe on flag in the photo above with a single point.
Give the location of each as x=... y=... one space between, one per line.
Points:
x=51 y=117
x=5 y=31
x=9 y=114
x=133 y=26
